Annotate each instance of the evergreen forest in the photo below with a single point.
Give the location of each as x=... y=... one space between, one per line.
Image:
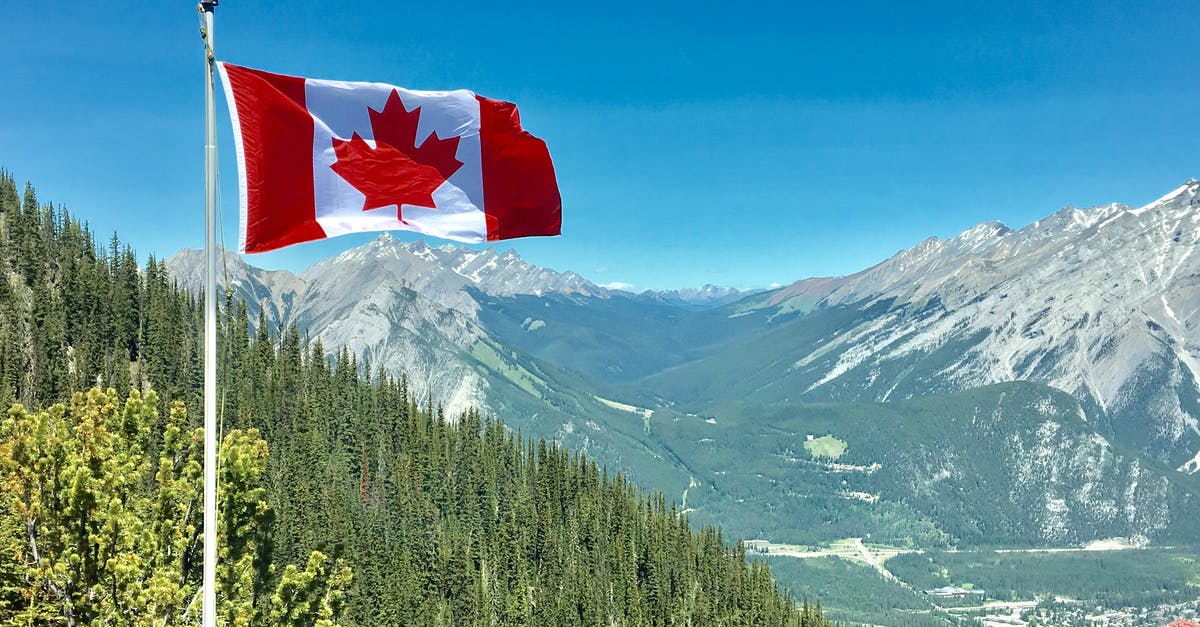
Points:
x=347 y=496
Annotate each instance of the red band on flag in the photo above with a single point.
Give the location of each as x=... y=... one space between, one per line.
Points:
x=276 y=132
x=520 y=193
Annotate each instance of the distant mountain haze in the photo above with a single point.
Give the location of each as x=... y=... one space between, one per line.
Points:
x=707 y=295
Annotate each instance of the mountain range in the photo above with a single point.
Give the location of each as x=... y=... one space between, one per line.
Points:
x=1102 y=303
x=1003 y=387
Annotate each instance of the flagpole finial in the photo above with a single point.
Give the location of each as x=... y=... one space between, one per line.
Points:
x=208 y=5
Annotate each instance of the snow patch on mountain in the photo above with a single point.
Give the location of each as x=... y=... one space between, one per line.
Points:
x=1191 y=466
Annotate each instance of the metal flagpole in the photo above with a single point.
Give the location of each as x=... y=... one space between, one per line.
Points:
x=209 y=598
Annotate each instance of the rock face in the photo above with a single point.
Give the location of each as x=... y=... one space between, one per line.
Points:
x=273 y=293
x=406 y=307
x=1061 y=483
x=1102 y=303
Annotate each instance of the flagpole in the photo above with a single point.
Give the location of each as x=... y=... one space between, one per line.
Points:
x=209 y=594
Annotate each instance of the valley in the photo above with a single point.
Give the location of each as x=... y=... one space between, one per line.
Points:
x=1030 y=390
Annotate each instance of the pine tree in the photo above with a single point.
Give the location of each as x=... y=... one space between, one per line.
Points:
x=100 y=533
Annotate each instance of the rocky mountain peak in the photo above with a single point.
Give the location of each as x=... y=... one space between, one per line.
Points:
x=441 y=274
x=449 y=268
x=406 y=306
x=1180 y=197
x=984 y=231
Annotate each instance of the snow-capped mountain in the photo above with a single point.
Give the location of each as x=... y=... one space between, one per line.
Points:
x=442 y=272
x=1103 y=303
x=406 y=307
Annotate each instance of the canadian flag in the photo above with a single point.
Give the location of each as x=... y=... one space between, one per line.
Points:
x=320 y=158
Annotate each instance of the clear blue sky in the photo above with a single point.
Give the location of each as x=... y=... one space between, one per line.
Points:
x=735 y=143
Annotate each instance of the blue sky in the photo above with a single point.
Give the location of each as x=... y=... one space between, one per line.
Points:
x=738 y=144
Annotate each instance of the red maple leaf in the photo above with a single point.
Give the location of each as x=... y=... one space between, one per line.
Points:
x=396 y=171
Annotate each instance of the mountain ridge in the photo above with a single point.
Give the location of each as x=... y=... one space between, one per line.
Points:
x=1102 y=303
x=983 y=237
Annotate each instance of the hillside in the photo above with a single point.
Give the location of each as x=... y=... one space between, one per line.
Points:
x=366 y=302
x=402 y=306
x=1009 y=465
x=440 y=521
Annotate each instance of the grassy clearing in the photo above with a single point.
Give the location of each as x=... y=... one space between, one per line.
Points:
x=531 y=325
x=826 y=446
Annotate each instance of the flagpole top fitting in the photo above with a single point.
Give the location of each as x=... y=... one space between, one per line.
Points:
x=208 y=6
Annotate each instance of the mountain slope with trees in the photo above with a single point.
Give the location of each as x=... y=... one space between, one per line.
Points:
x=440 y=519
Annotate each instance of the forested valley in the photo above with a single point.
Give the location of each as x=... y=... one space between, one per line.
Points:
x=347 y=497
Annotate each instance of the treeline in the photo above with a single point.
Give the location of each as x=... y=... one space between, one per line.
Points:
x=441 y=521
